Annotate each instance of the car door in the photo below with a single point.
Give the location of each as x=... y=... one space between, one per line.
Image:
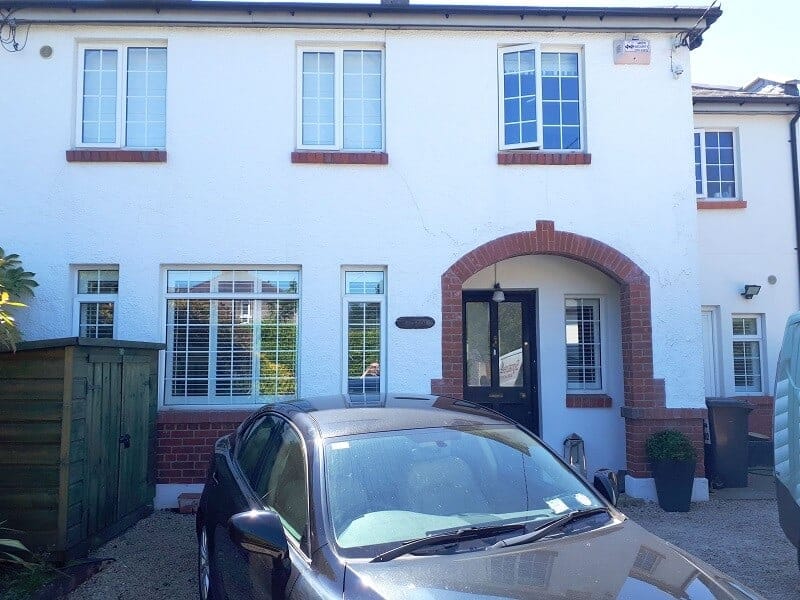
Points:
x=268 y=471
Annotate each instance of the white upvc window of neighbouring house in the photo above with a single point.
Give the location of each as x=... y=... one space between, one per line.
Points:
x=748 y=347
x=232 y=336
x=95 y=299
x=340 y=99
x=584 y=352
x=540 y=98
x=122 y=96
x=715 y=164
x=364 y=306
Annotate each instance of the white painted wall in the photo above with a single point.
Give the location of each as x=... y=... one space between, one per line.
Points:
x=748 y=245
x=229 y=194
x=603 y=429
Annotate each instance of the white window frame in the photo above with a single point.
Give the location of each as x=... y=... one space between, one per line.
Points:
x=347 y=299
x=92 y=298
x=165 y=361
x=603 y=325
x=338 y=94
x=758 y=337
x=538 y=50
x=122 y=88
x=704 y=175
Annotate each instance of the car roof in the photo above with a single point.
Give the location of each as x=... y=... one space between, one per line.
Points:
x=354 y=414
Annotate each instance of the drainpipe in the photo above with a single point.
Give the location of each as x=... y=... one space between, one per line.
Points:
x=795 y=183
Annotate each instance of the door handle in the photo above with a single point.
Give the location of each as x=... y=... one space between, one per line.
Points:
x=125 y=440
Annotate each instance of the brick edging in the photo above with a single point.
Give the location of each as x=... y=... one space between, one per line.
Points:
x=114 y=155
x=340 y=158
x=589 y=401
x=721 y=204
x=528 y=157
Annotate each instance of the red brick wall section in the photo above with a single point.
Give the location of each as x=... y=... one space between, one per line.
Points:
x=589 y=401
x=184 y=442
x=641 y=390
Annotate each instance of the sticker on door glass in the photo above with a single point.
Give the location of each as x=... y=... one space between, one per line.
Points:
x=340 y=445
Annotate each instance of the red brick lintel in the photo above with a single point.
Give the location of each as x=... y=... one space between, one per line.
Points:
x=588 y=401
x=203 y=416
x=340 y=158
x=721 y=204
x=114 y=155
x=529 y=157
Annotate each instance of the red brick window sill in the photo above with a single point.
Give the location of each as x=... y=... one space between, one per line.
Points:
x=721 y=204
x=588 y=401
x=527 y=157
x=340 y=158
x=114 y=155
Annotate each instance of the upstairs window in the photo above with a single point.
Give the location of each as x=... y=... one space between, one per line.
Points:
x=715 y=164
x=341 y=100
x=540 y=103
x=95 y=301
x=122 y=96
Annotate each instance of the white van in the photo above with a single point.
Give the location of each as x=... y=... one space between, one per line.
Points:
x=787 y=432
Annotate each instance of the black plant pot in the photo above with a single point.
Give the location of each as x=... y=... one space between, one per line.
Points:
x=674 y=482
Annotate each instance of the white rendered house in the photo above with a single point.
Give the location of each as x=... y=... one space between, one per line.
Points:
x=272 y=189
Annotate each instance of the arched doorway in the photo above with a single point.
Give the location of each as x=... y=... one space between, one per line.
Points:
x=644 y=397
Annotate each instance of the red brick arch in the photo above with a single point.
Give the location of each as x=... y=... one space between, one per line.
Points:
x=644 y=397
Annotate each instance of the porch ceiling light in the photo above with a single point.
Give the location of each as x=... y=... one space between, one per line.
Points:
x=498 y=295
x=751 y=290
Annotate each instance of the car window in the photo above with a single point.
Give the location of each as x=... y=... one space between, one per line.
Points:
x=251 y=451
x=389 y=487
x=273 y=462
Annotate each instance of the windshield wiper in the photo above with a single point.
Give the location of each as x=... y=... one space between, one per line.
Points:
x=549 y=527
x=458 y=535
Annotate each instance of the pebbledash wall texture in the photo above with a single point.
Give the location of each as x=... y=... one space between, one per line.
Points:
x=439 y=207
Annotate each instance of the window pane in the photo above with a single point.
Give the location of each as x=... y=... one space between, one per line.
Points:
x=720 y=170
x=364 y=282
x=582 y=332
x=561 y=91
x=509 y=340
x=362 y=98
x=278 y=353
x=98 y=281
x=479 y=364
x=188 y=344
x=99 y=90
x=96 y=320
x=519 y=93
x=747 y=366
x=318 y=99
x=146 y=98
x=363 y=347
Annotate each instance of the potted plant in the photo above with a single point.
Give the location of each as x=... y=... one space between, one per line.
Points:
x=672 y=461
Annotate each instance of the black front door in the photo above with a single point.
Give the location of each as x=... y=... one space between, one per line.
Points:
x=500 y=354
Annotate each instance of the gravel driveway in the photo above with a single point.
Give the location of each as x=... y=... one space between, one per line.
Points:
x=155 y=560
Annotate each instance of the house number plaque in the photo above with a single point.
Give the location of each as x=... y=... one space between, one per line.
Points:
x=415 y=322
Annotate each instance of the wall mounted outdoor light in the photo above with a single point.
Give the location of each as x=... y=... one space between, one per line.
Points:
x=750 y=290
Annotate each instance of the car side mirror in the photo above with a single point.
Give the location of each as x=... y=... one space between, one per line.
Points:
x=606 y=483
x=259 y=531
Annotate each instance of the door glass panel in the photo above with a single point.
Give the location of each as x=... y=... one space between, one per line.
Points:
x=509 y=341
x=479 y=366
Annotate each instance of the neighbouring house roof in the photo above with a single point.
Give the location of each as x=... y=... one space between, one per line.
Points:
x=759 y=91
x=691 y=21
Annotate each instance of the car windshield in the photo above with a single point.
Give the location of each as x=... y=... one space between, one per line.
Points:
x=389 y=487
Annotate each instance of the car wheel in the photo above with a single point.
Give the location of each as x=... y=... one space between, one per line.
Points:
x=204 y=566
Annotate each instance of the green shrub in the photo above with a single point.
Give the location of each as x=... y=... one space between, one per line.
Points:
x=670 y=444
x=15 y=284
